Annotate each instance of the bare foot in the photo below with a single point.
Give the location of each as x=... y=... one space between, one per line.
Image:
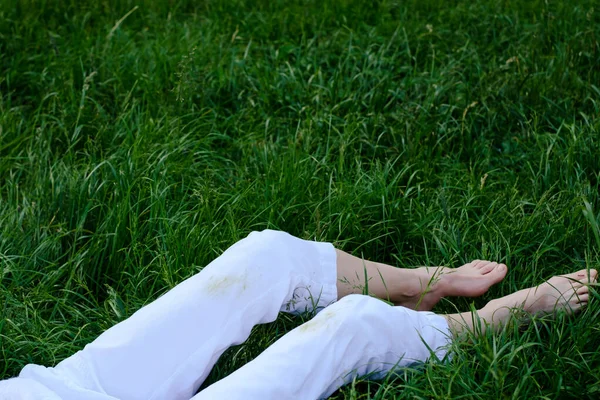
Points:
x=470 y=280
x=568 y=292
x=563 y=292
x=416 y=288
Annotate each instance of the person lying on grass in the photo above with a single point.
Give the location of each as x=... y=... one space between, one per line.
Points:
x=167 y=348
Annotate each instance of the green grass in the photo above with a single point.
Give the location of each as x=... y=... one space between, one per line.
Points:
x=138 y=140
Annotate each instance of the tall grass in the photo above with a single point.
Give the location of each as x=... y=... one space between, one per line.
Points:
x=138 y=140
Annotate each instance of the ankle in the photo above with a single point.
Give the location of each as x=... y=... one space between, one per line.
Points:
x=415 y=289
x=431 y=278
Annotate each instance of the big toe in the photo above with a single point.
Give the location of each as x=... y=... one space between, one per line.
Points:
x=584 y=276
x=498 y=272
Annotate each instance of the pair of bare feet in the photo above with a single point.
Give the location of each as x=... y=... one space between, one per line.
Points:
x=422 y=288
x=563 y=292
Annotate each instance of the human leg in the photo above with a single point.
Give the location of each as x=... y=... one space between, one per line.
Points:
x=167 y=348
x=360 y=335
x=356 y=336
x=25 y=389
x=415 y=288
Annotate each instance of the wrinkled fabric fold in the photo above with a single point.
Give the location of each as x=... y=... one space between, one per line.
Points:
x=356 y=336
x=166 y=349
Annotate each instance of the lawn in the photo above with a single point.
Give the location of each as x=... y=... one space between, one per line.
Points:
x=139 y=139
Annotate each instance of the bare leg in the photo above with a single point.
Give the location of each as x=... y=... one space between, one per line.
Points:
x=415 y=288
x=564 y=292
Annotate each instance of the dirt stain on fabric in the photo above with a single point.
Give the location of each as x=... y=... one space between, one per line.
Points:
x=321 y=321
x=221 y=284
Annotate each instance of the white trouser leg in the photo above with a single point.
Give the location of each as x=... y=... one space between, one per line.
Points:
x=356 y=336
x=167 y=348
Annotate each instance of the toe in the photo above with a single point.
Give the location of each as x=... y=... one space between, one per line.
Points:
x=502 y=268
x=488 y=267
x=583 y=277
x=583 y=298
x=578 y=277
x=576 y=306
x=582 y=290
x=497 y=272
x=586 y=275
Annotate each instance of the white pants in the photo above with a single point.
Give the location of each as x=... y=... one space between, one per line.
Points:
x=167 y=348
